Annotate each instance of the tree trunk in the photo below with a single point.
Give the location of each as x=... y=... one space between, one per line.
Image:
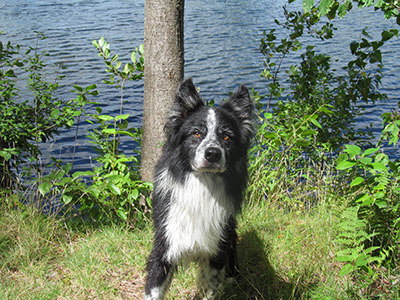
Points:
x=163 y=71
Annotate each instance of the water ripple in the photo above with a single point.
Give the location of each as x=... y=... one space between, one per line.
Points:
x=221 y=50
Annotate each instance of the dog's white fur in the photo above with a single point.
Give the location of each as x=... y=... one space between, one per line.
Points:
x=189 y=233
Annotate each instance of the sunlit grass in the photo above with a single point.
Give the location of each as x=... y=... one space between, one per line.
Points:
x=282 y=255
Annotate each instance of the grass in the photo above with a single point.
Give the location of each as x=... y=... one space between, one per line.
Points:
x=285 y=255
x=43 y=259
x=282 y=255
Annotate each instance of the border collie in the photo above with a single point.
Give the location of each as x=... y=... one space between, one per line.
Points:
x=198 y=188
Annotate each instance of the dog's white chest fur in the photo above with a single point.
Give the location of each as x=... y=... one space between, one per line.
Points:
x=198 y=212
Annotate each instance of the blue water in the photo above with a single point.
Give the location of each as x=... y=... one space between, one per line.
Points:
x=221 y=51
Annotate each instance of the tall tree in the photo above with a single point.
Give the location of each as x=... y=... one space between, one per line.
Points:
x=164 y=62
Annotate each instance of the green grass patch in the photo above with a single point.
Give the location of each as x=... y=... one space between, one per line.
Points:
x=282 y=255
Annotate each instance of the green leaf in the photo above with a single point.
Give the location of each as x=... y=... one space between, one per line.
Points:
x=353 y=47
x=121 y=117
x=55 y=114
x=268 y=116
x=378 y=166
x=5 y=154
x=343 y=165
x=115 y=189
x=353 y=150
x=123 y=125
x=106 y=52
x=67 y=167
x=90 y=87
x=307 y=5
x=324 y=6
x=9 y=73
x=114 y=58
x=386 y=35
x=343 y=8
x=83 y=174
x=94 y=191
x=392 y=166
x=342 y=157
x=109 y=131
x=345 y=258
x=129 y=68
x=302 y=142
x=378 y=3
x=44 y=188
x=346 y=269
x=125 y=132
x=96 y=44
x=316 y=123
x=148 y=201
x=369 y=151
x=356 y=181
x=135 y=194
x=66 y=199
x=122 y=214
x=381 y=203
x=362 y=260
x=78 y=88
x=133 y=57
x=105 y=118
x=365 y=160
x=365 y=200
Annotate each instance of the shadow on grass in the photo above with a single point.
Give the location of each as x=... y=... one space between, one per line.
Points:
x=258 y=280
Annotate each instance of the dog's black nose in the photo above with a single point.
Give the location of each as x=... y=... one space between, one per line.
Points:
x=213 y=154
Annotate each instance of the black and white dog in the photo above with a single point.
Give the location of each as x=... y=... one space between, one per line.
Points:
x=198 y=188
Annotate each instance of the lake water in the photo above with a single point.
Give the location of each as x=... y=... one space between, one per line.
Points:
x=221 y=50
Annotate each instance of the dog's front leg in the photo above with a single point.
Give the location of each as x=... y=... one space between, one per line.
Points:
x=211 y=277
x=159 y=277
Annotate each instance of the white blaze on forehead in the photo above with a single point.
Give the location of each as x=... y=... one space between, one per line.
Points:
x=211 y=138
x=211 y=124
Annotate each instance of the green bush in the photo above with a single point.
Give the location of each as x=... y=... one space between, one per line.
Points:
x=112 y=191
x=286 y=156
x=304 y=119
x=25 y=123
x=375 y=192
x=314 y=106
x=313 y=83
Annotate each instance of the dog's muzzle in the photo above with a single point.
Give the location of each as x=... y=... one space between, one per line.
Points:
x=210 y=159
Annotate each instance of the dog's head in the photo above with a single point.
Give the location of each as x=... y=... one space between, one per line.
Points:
x=210 y=139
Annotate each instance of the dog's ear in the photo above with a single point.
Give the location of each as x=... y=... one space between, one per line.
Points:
x=187 y=101
x=241 y=105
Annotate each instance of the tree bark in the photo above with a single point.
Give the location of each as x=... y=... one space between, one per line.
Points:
x=163 y=71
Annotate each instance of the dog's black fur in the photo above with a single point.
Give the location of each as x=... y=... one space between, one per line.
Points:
x=198 y=189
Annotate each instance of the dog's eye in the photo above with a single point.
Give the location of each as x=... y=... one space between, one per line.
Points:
x=226 y=137
x=197 y=134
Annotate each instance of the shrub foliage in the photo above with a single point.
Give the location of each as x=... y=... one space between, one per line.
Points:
x=307 y=148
